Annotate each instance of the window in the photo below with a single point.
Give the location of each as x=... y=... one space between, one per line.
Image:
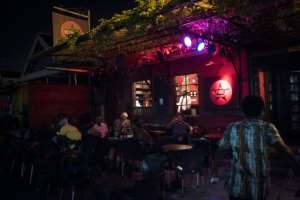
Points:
x=142 y=97
x=186 y=92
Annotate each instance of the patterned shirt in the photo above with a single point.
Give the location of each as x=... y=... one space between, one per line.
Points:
x=250 y=141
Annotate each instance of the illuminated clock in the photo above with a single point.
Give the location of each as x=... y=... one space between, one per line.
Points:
x=220 y=92
x=69 y=27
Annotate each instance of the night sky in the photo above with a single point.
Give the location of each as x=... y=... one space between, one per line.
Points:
x=21 y=20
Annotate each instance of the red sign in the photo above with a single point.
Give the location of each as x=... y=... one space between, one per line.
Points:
x=220 y=92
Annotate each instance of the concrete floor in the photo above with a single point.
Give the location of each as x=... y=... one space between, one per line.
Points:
x=281 y=190
x=284 y=187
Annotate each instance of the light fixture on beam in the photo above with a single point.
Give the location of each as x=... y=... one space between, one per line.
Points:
x=187 y=41
x=75 y=70
x=200 y=46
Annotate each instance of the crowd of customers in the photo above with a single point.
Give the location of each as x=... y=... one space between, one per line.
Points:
x=73 y=151
x=83 y=147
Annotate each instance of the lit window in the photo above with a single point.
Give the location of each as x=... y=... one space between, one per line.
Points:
x=142 y=97
x=186 y=92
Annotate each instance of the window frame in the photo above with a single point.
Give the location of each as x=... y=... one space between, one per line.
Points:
x=134 y=95
x=178 y=88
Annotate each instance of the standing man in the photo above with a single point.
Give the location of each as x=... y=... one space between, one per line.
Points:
x=250 y=141
x=184 y=103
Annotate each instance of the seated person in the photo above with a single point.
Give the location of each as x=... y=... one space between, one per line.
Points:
x=70 y=134
x=140 y=133
x=179 y=129
x=125 y=128
x=99 y=129
x=122 y=126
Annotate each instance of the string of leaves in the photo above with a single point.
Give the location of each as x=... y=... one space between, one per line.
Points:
x=71 y=39
x=153 y=15
x=147 y=16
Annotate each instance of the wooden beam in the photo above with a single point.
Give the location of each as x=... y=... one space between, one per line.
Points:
x=37 y=75
x=70 y=12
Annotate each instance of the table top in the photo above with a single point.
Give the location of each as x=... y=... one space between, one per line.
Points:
x=177 y=147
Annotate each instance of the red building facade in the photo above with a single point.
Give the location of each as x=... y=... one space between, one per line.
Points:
x=207 y=87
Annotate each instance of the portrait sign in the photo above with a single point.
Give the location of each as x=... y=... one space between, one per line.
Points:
x=69 y=28
x=220 y=92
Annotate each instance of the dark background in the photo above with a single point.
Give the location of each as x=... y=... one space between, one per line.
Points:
x=21 y=20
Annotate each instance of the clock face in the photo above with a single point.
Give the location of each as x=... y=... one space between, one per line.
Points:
x=69 y=27
x=220 y=92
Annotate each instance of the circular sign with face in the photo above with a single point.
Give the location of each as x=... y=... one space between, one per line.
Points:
x=69 y=27
x=220 y=92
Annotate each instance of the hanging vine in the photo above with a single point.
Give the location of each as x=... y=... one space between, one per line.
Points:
x=154 y=15
x=149 y=15
x=71 y=39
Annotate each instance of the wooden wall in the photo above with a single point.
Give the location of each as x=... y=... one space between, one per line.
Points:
x=47 y=101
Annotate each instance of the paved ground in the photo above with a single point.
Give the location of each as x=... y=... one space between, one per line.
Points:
x=281 y=190
x=284 y=187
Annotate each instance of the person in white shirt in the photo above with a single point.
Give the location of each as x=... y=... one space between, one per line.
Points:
x=184 y=103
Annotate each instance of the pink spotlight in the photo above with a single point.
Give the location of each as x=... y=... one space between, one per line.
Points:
x=187 y=41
